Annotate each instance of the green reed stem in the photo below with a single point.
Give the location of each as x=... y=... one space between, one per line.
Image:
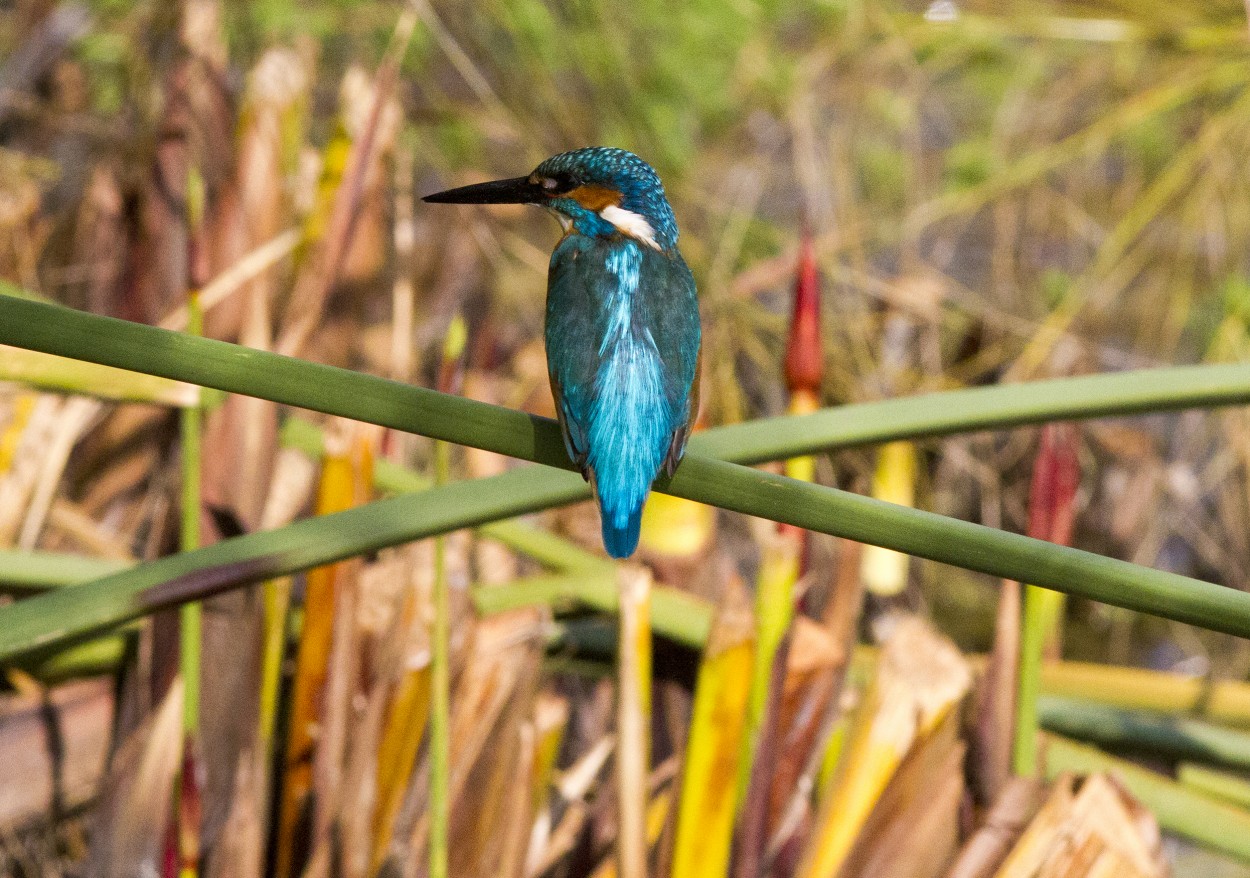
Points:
x=1029 y=682
x=440 y=693
x=75 y=613
x=190 y=615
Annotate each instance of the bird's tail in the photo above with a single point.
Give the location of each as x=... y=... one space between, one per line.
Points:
x=620 y=530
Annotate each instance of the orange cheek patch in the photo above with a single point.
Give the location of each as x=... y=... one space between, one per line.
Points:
x=594 y=198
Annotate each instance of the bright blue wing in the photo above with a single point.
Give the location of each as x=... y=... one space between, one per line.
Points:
x=622 y=337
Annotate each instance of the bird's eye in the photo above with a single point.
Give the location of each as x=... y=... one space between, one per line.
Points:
x=550 y=184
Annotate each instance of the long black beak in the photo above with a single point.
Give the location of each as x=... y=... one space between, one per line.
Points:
x=518 y=190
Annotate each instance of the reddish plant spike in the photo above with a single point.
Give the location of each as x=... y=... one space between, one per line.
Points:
x=1056 y=476
x=190 y=811
x=804 y=357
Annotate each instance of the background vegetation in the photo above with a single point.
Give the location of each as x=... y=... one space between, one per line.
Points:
x=990 y=193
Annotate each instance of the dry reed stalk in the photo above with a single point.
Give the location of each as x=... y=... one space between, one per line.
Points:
x=633 y=720
x=914 y=826
x=813 y=677
x=498 y=662
x=133 y=815
x=366 y=252
x=29 y=425
x=129 y=473
x=401 y=739
x=293 y=482
x=751 y=834
x=657 y=814
x=270 y=118
x=324 y=267
x=573 y=786
x=379 y=622
x=100 y=235
x=1088 y=829
x=775 y=596
x=920 y=681
x=56 y=741
x=781 y=559
x=994 y=728
x=515 y=810
x=338 y=707
x=244 y=429
x=1006 y=820
x=235 y=277
x=346 y=469
x=70 y=523
x=551 y=717
x=76 y=415
x=491 y=820
x=792 y=818
x=409 y=705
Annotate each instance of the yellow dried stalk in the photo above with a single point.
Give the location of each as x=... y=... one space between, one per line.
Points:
x=675 y=528
x=294 y=475
x=705 y=814
x=884 y=571
x=341 y=474
x=802 y=402
x=914 y=826
x=405 y=727
x=633 y=720
x=921 y=679
x=409 y=708
x=33 y=448
x=1224 y=701
x=51 y=372
x=551 y=719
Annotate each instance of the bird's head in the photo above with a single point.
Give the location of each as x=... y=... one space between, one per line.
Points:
x=595 y=191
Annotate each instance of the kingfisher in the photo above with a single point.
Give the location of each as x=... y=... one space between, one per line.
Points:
x=622 y=323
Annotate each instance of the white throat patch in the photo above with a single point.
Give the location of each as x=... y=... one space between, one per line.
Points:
x=631 y=224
